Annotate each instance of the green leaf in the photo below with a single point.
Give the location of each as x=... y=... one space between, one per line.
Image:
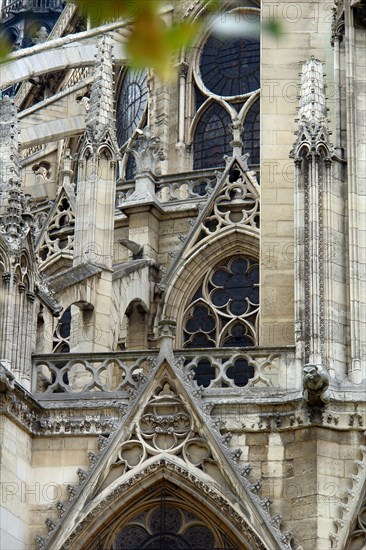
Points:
x=182 y=34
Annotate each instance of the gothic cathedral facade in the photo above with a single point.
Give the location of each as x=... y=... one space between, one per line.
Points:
x=183 y=282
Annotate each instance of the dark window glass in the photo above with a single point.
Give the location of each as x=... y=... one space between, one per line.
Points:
x=200 y=98
x=238 y=337
x=212 y=138
x=230 y=67
x=131 y=104
x=130 y=168
x=228 y=306
x=204 y=372
x=251 y=133
x=240 y=372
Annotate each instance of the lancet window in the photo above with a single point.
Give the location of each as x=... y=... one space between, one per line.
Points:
x=227 y=83
x=61 y=336
x=131 y=113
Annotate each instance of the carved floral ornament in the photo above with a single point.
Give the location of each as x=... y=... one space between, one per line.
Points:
x=147 y=152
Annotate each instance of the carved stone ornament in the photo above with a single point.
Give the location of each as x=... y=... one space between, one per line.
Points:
x=316 y=385
x=167 y=424
x=147 y=152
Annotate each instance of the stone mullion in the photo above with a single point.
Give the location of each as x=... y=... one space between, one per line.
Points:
x=15 y=332
x=329 y=222
x=21 y=329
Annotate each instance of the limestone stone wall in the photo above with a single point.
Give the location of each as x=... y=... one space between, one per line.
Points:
x=16 y=485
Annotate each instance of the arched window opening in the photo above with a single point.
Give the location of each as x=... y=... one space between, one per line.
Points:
x=251 y=136
x=61 y=336
x=131 y=104
x=230 y=67
x=223 y=311
x=212 y=138
x=137 y=325
x=166 y=521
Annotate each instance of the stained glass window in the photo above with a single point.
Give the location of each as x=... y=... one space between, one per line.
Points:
x=212 y=138
x=131 y=104
x=61 y=336
x=230 y=67
x=251 y=135
x=223 y=311
x=168 y=527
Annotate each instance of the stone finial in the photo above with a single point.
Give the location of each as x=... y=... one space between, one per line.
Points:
x=100 y=115
x=237 y=143
x=147 y=152
x=11 y=196
x=312 y=94
x=313 y=123
x=166 y=336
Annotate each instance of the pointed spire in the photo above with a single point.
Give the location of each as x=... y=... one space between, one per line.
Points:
x=100 y=116
x=313 y=123
x=312 y=95
x=11 y=196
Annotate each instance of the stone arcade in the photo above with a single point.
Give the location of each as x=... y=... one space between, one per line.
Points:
x=183 y=288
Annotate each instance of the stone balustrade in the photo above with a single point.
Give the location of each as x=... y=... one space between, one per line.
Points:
x=64 y=376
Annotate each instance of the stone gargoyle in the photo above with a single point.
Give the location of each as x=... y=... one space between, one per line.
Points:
x=316 y=385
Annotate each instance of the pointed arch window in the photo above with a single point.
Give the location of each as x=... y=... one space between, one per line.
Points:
x=212 y=137
x=131 y=113
x=223 y=311
x=251 y=136
x=131 y=104
x=61 y=336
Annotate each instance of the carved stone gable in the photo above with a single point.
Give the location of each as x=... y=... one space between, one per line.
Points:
x=233 y=205
x=165 y=429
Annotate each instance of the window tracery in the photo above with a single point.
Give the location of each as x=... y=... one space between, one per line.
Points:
x=59 y=238
x=223 y=310
x=167 y=524
x=228 y=74
x=212 y=137
x=131 y=113
x=61 y=336
x=230 y=68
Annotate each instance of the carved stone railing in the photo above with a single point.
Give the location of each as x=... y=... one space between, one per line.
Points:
x=228 y=370
x=197 y=184
x=186 y=186
x=175 y=187
x=219 y=371
x=93 y=375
